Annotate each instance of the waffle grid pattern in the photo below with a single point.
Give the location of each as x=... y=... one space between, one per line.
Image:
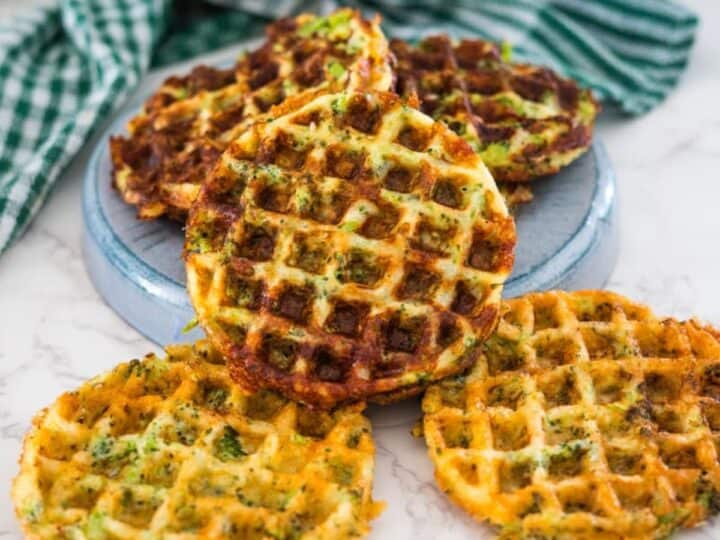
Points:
x=354 y=247
x=585 y=417
x=525 y=121
x=174 y=449
x=175 y=142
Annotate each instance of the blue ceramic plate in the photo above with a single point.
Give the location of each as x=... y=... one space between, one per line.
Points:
x=567 y=238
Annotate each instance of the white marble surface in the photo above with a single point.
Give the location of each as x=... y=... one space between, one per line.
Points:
x=56 y=331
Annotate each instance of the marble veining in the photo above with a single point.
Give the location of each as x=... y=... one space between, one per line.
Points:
x=56 y=331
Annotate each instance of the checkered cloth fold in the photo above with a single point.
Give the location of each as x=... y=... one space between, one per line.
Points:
x=63 y=69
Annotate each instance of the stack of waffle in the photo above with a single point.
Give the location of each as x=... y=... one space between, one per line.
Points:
x=345 y=202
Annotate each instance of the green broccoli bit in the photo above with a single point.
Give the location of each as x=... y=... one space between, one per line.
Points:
x=95 y=529
x=327 y=26
x=495 y=153
x=228 y=447
x=336 y=69
x=506 y=50
x=192 y=323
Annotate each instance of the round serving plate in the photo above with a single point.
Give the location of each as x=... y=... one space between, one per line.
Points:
x=567 y=239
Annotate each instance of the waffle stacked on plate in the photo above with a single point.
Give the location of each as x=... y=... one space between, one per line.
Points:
x=174 y=143
x=348 y=248
x=525 y=121
x=347 y=242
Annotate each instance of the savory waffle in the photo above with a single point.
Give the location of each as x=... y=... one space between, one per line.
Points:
x=351 y=247
x=175 y=142
x=171 y=448
x=585 y=417
x=525 y=121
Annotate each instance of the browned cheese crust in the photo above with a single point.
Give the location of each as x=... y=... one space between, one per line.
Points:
x=175 y=142
x=525 y=121
x=349 y=248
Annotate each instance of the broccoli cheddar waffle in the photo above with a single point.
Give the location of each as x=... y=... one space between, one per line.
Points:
x=586 y=417
x=351 y=247
x=525 y=121
x=174 y=143
x=171 y=448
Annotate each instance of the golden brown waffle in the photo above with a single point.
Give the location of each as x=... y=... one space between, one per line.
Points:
x=171 y=448
x=174 y=143
x=350 y=248
x=525 y=121
x=585 y=417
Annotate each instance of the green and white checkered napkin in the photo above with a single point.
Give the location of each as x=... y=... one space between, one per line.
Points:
x=64 y=69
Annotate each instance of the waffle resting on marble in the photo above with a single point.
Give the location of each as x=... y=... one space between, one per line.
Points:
x=524 y=121
x=585 y=417
x=175 y=141
x=349 y=248
x=172 y=448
